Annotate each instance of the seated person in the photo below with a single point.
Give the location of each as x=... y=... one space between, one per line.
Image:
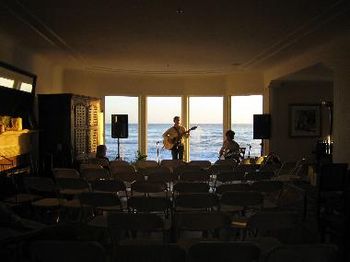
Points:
x=101 y=152
x=230 y=148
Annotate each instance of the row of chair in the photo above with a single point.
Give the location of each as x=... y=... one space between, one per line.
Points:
x=286 y=168
x=57 y=251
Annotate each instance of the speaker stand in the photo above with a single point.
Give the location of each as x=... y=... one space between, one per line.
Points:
x=262 y=147
x=118 y=154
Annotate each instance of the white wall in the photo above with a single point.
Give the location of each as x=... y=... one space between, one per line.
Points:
x=292 y=92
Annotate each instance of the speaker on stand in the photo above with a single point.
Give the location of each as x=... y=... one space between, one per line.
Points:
x=120 y=128
x=262 y=128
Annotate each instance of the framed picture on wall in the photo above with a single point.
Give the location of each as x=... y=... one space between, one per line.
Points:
x=304 y=120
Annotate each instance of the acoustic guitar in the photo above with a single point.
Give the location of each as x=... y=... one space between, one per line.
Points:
x=169 y=142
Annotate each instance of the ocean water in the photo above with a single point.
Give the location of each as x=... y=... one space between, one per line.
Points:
x=205 y=142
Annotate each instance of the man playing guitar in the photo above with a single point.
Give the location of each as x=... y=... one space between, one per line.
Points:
x=173 y=138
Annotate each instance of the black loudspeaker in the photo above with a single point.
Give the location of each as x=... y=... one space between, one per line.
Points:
x=261 y=126
x=120 y=126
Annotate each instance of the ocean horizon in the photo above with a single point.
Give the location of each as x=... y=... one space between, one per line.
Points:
x=205 y=142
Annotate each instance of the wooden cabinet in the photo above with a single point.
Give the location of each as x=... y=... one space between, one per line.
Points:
x=69 y=126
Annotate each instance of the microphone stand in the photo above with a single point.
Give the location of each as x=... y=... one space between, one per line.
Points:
x=157 y=152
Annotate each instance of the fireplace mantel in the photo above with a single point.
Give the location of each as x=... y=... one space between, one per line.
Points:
x=16 y=144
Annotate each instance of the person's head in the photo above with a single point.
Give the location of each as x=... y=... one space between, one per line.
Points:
x=176 y=120
x=230 y=134
x=101 y=151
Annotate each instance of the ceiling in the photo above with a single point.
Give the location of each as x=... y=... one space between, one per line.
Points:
x=172 y=36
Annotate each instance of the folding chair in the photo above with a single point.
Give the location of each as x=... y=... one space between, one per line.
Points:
x=47 y=207
x=192 y=227
x=65 y=173
x=271 y=191
x=140 y=204
x=232 y=188
x=305 y=252
x=179 y=170
x=224 y=251
x=172 y=163
x=145 y=164
x=68 y=251
x=147 y=252
x=95 y=173
x=94 y=204
x=117 y=163
x=190 y=187
x=133 y=227
x=205 y=164
x=195 y=202
x=124 y=173
x=149 y=188
x=281 y=225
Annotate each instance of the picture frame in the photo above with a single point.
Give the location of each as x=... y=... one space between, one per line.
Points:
x=304 y=120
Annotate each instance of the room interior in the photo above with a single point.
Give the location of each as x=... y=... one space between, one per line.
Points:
x=291 y=52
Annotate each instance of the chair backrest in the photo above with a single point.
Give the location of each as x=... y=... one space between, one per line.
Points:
x=267 y=186
x=282 y=225
x=224 y=251
x=199 y=221
x=229 y=177
x=190 y=187
x=65 y=173
x=72 y=185
x=130 y=221
x=124 y=173
x=111 y=186
x=195 y=202
x=162 y=170
x=148 y=187
x=287 y=168
x=99 y=161
x=117 y=163
x=226 y=162
x=150 y=252
x=195 y=176
x=159 y=173
x=172 y=163
x=99 y=200
x=293 y=198
x=245 y=200
x=247 y=168
x=92 y=174
x=149 y=204
x=258 y=176
x=68 y=251
x=84 y=166
x=121 y=224
x=40 y=185
x=232 y=188
x=205 y=164
x=145 y=164
x=301 y=253
x=220 y=168
x=179 y=170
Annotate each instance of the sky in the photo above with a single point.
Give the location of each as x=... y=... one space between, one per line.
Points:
x=203 y=110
